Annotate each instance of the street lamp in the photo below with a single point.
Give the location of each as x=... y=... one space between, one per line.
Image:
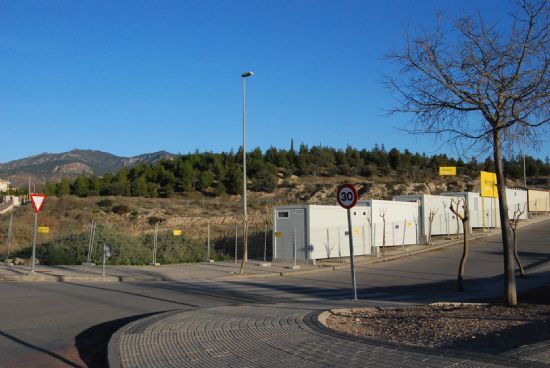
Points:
x=245 y=213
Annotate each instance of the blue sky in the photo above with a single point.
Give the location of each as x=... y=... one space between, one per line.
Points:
x=130 y=77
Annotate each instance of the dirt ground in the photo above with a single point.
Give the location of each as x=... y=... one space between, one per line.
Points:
x=490 y=328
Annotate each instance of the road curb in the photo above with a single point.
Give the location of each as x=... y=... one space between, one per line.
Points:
x=75 y=278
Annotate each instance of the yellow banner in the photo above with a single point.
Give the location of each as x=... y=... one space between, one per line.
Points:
x=43 y=229
x=177 y=232
x=447 y=170
x=278 y=234
x=488 y=184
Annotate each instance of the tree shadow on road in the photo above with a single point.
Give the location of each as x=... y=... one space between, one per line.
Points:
x=92 y=343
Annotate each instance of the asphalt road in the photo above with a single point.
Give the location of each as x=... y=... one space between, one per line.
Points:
x=68 y=325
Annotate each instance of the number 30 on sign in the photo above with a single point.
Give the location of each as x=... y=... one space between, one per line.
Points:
x=347 y=196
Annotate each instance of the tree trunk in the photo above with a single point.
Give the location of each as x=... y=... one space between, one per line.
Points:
x=384 y=240
x=465 y=253
x=516 y=256
x=507 y=245
x=430 y=231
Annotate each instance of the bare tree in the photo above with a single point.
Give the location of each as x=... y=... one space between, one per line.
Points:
x=514 y=225
x=431 y=216
x=328 y=247
x=464 y=216
x=382 y=213
x=480 y=86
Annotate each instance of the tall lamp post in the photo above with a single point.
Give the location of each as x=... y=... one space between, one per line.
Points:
x=245 y=212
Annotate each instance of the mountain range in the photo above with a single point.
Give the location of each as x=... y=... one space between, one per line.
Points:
x=54 y=166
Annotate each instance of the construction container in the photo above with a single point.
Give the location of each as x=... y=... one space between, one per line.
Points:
x=310 y=232
x=444 y=222
x=538 y=200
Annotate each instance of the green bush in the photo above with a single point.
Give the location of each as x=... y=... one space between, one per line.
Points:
x=121 y=209
x=126 y=249
x=105 y=203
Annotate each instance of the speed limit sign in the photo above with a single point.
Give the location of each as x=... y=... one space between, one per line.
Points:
x=347 y=196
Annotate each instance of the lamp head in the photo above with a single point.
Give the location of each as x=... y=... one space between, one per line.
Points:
x=247 y=74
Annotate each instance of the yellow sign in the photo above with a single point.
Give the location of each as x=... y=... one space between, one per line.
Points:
x=355 y=231
x=278 y=234
x=409 y=224
x=488 y=184
x=447 y=170
x=43 y=229
x=177 y=232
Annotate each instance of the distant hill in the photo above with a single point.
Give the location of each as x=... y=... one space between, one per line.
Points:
x=53 y=166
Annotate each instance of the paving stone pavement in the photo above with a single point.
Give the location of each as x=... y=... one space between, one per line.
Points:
x=280 y=335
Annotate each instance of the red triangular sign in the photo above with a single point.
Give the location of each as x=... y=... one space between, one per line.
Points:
x=37 y=201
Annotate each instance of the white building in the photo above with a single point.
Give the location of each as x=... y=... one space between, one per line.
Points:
x=444 y=221
x=4 y=185
x=310 y=232
x=539 y=200
x=392 y=222
x=483 y=210
x=517 y=199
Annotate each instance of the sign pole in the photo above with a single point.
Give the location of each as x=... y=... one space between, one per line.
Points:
x=352 y=262
x=347 y=197
x=33 y=260
x=37 y=203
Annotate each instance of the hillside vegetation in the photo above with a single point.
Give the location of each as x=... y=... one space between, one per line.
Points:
x=216 y=174
x=201 y=191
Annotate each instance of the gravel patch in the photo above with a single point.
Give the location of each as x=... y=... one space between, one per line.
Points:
x=476 y=327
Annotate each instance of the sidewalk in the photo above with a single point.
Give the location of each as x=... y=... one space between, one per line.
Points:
x=282 y=336
x=223 y=270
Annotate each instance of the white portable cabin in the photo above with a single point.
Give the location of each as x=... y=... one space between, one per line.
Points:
x=517 y=199
x=392 y=222
x=444 y=222
x=539 y=200
x=483 y=210
x=319 y=232
x=473 y=200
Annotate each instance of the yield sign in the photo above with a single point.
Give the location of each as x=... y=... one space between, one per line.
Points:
x=37 y=201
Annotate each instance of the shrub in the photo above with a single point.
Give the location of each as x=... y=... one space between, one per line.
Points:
x=121 y=209
x=154 y=220
x=105 y=203
x=126 y=249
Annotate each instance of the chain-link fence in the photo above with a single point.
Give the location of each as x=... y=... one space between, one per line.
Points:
x=156 y=243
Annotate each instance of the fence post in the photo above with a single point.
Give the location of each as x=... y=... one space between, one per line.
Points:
x=208 y=242
x=265 y=243
x=91 y=243
x=363 y=231
x=236 y=241
x=373 y=235
x=328 y=244
x=294 y=237
x=392 y=233
x=8 y=244
x=155 y=240
x=339 y=245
